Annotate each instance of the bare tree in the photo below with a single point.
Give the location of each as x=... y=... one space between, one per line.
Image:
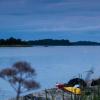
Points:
x=21 y=77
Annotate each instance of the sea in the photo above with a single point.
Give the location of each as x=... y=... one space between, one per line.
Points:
x=53 y=64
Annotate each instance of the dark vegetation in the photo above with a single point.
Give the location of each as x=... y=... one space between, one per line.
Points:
x=75 y=81
x=44 y=42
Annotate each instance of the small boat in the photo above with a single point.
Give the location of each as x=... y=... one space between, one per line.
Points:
x=71 y=89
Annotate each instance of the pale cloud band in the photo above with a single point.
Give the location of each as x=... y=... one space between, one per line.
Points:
x=75 y=16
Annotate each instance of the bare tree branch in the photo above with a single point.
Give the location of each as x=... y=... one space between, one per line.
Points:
x=21 y=77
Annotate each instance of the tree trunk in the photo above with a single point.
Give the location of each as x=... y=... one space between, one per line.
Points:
x=18 y=95
x=18 y=92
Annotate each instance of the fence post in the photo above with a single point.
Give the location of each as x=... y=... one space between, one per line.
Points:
x=46 y=93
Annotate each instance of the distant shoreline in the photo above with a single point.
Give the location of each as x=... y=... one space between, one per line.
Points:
x=15 y=45
x=12 y=42
x=44 y=45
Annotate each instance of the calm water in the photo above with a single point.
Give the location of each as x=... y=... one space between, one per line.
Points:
x=53 y=64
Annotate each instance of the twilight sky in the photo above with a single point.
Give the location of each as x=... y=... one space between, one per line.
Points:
x=62 y=19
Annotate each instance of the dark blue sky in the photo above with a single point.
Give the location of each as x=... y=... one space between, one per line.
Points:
x=36 y=19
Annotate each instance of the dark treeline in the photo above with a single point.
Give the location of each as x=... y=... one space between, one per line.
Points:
x=44 y=42
x=12 y=41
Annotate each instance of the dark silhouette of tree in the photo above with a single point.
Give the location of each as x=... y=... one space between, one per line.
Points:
x=21 y=77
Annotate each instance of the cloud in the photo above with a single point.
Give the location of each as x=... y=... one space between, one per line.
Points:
x=43 y=24
x=20 y=7
x=75 y=16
